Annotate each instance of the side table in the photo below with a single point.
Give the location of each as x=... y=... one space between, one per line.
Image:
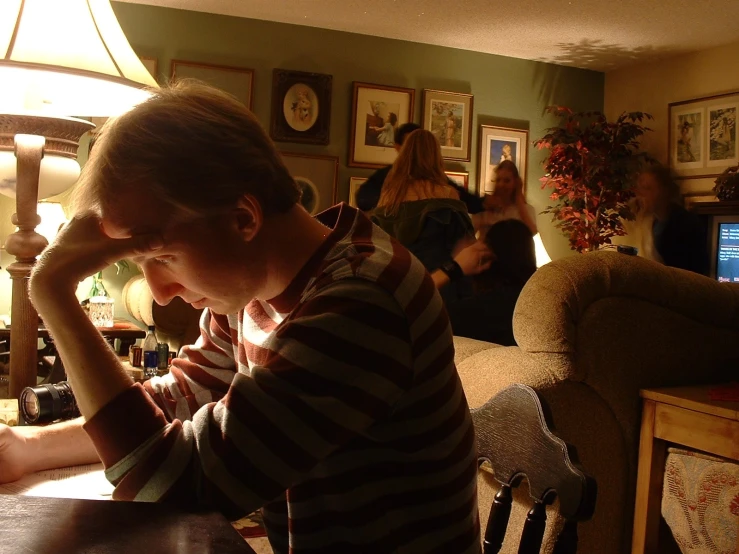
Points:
x=682 y=416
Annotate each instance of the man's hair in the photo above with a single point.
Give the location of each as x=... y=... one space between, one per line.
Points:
x=404 y=130
x=419 y=161
x=191 y=146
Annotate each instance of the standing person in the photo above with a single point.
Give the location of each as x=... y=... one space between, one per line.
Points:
x=369 y=193
x=488 y=313
x=663 y=230
x=317 y=390
x=423 y=211
x=507 y=201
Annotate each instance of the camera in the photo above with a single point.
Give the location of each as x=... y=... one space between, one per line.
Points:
x=47 y=403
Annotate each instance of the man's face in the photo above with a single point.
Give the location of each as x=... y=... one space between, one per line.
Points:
x=204 y=260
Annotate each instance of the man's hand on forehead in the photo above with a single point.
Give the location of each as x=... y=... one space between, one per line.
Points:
x=87 y=245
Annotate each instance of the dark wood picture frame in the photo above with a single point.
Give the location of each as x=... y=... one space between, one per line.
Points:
x=460 y=102
x=362 y=153
x=237 y=81
x=316 y=172
x=301 y=107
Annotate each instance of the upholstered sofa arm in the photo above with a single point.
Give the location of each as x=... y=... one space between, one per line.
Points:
x=556 y=299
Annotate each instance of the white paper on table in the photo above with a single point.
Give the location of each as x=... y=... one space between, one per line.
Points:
x=85 y=481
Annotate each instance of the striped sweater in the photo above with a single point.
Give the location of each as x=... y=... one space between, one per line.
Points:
x=335 y=406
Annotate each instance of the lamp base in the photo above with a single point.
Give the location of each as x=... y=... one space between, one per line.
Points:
x=26 y=244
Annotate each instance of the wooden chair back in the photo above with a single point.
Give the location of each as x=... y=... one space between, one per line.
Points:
x=513 y=434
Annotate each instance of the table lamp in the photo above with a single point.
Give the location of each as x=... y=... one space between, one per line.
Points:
x=58 y=58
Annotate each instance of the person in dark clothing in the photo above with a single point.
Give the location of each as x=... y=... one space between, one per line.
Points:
x=678 y=237
x=369 y=193
x=488 y=314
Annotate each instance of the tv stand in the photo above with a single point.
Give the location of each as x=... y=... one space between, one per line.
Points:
x=710 y=209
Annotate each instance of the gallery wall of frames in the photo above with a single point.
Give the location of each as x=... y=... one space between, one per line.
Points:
x=301 y=114
x=327 y=93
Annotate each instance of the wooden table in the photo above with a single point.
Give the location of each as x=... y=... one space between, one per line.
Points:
x=65 y=526
x=123 y=330
x=683 y=416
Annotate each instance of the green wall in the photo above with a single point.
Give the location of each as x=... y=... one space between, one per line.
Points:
x=508 y=91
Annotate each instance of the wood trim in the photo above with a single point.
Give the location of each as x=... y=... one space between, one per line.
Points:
x=695 y=399
x=700 y=431
x=647 y=509
x=702 y=99
x=356 y=85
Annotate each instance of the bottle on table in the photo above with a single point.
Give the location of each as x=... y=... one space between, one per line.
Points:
x=149 y=348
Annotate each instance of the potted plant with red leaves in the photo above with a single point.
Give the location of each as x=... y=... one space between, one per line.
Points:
x=591 y=169
x=727 y=184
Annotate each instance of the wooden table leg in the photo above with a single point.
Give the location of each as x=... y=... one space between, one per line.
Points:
x=647 y=511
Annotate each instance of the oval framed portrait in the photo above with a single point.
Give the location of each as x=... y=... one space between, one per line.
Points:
x=310 y=198
x=300 y=107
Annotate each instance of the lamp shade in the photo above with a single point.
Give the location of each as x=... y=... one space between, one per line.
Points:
x=67 y=57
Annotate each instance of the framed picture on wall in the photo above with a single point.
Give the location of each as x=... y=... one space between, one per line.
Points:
x=301 y=107
x=377 y=112
x=498 y=144
x=151 y=65
x=354 y=184
x=460 y=178
x=702 y=136
x=449 y=116
x=316 y=176
x=238 y=81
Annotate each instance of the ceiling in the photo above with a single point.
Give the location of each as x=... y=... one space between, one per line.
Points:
x=593 y=34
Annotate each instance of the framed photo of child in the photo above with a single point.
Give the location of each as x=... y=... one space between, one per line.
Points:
x=498 y=144
x=377 y=112
x=301 y=107
x=448 y=115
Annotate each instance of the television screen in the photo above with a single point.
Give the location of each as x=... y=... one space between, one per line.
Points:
x=727 y=252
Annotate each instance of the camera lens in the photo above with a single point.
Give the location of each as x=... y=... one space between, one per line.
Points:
x=47 y=403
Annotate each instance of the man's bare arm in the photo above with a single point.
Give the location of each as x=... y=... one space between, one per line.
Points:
x=24 y=450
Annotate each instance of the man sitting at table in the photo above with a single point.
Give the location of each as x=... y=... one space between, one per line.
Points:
x=323 y=386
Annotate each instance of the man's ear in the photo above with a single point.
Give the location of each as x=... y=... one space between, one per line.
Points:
x=249 y=216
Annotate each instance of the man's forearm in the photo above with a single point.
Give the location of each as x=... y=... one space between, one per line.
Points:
x=93 y=368
x=59 y=445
